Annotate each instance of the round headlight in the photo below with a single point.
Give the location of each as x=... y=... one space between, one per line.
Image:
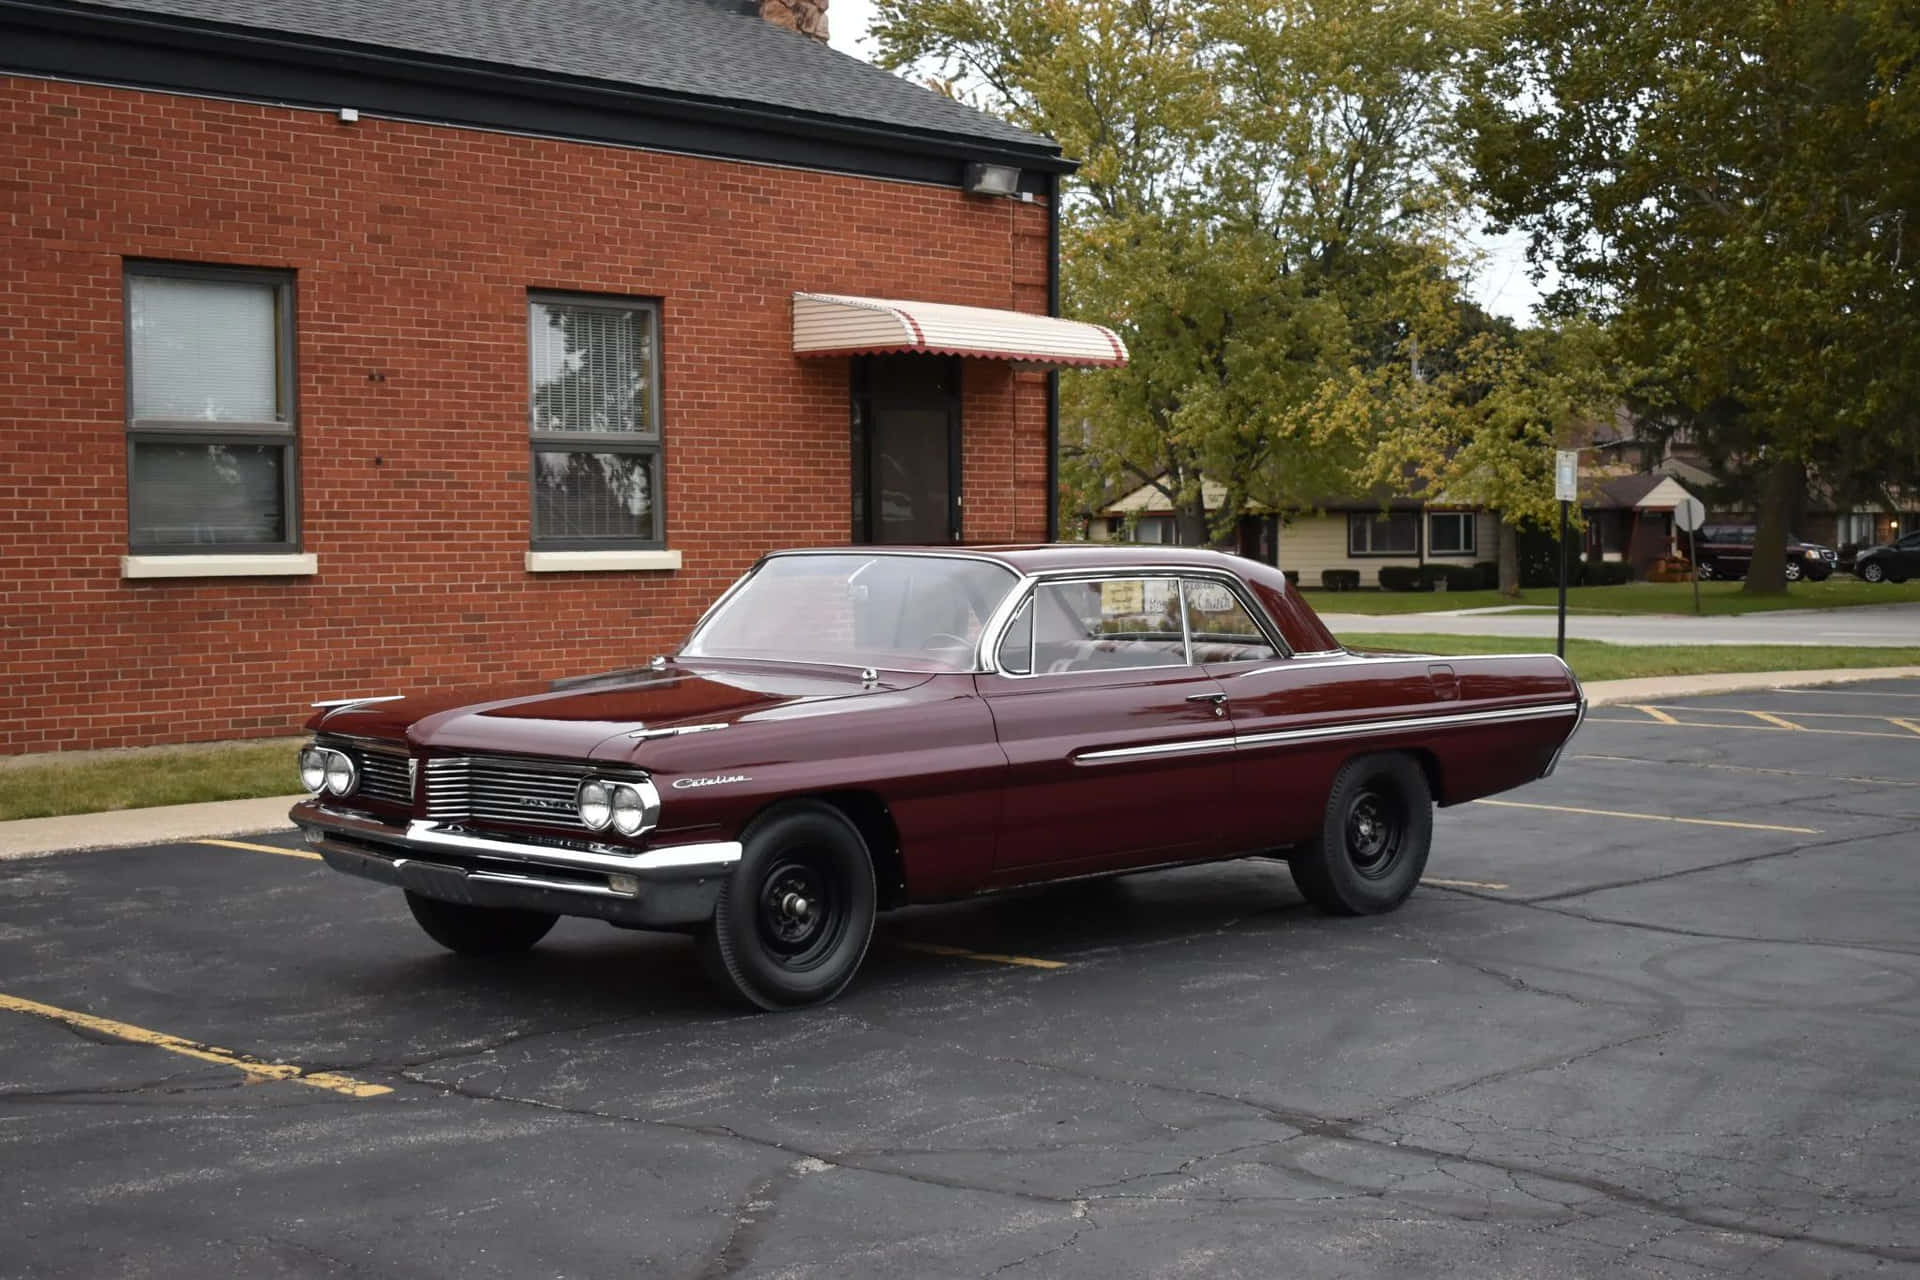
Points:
x=629 y=812
x=341 y=775
x=313 y=769
x=596 y=805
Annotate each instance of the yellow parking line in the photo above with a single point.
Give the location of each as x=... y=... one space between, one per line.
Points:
x=935 y=949
x=1753 y=728
x=1651 y=817
x=1771 y=718
x=245 y=1063
x=1904 y=724
x=261 y=848
x=1461 y=884
x=1655 y=712
x=1746 y=768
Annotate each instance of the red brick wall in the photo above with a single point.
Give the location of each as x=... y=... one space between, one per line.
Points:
x=414 y=248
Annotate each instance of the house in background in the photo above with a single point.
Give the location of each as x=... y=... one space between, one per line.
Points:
x=360 y=348
x=1360 y=534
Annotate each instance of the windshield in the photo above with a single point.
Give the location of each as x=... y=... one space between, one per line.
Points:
x=896 y=612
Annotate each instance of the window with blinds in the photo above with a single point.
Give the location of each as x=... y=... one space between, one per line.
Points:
x=594 y=419
x=211 y=433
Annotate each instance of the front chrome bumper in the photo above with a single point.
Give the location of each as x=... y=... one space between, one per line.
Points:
x=672 y=887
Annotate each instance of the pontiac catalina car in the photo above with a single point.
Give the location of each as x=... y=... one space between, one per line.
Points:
x=847 y=731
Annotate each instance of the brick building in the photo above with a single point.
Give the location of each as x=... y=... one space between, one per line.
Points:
x=352 y=347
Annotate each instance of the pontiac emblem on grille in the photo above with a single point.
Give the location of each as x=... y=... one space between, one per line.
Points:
x=541 y=802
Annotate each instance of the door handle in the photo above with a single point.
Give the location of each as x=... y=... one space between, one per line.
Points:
x=1219 y=701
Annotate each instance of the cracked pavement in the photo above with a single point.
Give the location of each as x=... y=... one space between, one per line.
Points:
x=1659 y=1050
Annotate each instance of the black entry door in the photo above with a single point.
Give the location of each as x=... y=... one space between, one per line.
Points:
x=906 y=449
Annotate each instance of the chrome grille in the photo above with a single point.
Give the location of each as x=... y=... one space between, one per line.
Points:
x=483 y=788
x=386 y=777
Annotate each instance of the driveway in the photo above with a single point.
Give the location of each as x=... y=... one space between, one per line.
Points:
x=1657 y=1015
x=1870 y=625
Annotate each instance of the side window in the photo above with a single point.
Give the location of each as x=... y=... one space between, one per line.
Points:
x=1220 y=627
x=1107 y=624
x=1016 y=647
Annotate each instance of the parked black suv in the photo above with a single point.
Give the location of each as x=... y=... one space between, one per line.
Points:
x=1727 y=549
x=1892 y=562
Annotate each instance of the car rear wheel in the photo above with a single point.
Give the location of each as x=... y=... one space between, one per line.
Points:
x=795 y=918
x=1873 y=571
x=1373 y=841
x=479 y=931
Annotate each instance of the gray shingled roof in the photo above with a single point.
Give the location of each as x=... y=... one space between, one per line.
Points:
x=714 y=49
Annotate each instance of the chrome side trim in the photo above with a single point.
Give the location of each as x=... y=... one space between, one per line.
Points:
x=336 y=704
x=1317 y=732
x=1322 y=653
x=1455 y=720
x=1156 y=749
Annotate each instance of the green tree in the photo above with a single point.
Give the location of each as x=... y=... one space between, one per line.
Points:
x=1732 y=187
x=1266 y=207
x=1495 y=412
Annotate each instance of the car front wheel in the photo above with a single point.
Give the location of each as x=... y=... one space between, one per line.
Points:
x=1794 y=571
x=1873 y=571
x=1705 y=571
x=795 y=918
x=1373 y=841
x=479 y=931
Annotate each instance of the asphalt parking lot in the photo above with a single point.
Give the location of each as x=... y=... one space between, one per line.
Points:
x=1657 y=1015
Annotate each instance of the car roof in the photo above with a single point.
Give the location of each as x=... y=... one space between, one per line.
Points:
x=1053 y=557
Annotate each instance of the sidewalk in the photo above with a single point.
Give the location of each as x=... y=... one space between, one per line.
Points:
x=124 y=827
x=29 y=837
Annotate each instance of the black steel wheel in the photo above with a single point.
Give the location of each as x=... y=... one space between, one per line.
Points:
x=479 y=931
x=1373 y=840
x=795 y=918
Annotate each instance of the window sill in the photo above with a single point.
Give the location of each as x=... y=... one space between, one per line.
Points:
x=600 y=561
x=280 y=565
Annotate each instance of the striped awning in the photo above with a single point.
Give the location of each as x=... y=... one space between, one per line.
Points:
x=827 y=324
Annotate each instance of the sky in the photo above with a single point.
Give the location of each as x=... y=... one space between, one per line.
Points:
x=1501 y=285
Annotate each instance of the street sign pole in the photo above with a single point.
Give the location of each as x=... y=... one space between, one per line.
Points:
x=1693 y=563
x=1560 y=642
x=1566 y=487
x=1688 y=513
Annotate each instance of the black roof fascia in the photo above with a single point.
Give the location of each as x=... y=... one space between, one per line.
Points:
x=146 y=50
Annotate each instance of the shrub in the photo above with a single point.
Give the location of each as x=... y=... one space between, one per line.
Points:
x=1461 y=577
x=1407 y=577
x=1537 y=559
x=1606 y=573
x=1340 y=579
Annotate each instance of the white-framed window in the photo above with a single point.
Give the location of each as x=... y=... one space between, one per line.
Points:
x=1388 y=533
x=212 y=460
x=1450 y=533
x=594 y=422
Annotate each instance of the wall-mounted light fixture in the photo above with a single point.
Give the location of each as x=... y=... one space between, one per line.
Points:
x=991 y=180
x=349 y=115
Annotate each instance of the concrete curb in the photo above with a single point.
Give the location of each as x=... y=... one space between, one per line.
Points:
x=33 y=837
x=1603 y=693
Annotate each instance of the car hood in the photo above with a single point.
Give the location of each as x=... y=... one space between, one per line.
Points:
x=575 y=721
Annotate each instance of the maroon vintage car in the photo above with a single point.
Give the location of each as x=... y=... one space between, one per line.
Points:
x=851 y=730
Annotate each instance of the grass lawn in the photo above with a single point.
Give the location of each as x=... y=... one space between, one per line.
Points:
x=45 y=788
x=1838 y=592
x=1598 y=660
